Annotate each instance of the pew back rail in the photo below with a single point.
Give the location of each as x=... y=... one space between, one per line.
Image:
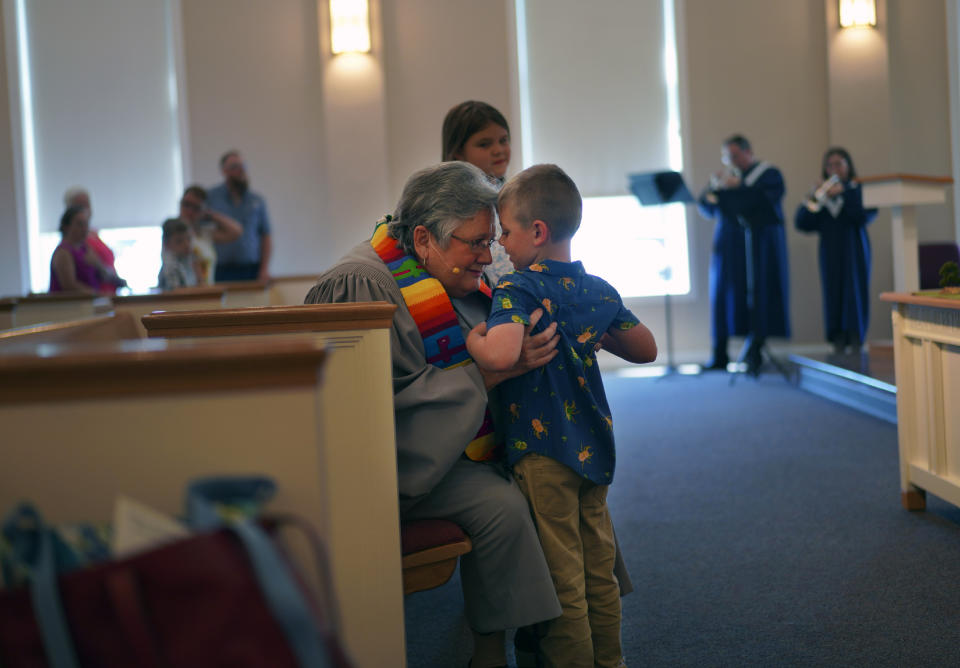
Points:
x=270 y=320
x=101 y=328
x=52 y=307
x=183 y=299
x=71 y=372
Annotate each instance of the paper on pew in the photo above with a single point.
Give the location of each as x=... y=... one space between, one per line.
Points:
x=137 y=527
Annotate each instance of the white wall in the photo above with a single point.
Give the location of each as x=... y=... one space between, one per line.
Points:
x=745 y=72
x=889 y=105
x=861 y=110
x=953 y=77
x=330 y=141
x=254 y=83
x=920 y=103
x=438 y=54
x=13 y=246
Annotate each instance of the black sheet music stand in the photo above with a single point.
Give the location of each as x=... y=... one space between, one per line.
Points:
x=752 y=202
x=655 y=189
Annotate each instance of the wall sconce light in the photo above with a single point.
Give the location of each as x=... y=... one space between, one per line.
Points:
x=349 y=26
x=855 y=13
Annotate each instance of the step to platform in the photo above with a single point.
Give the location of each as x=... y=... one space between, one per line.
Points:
x=861 y=381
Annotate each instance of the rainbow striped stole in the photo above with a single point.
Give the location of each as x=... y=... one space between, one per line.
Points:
x=430 y=306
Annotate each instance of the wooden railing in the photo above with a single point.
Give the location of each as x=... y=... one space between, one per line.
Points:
x=916 y=178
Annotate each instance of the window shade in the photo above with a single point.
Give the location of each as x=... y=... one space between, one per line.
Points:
x=103 y=94
x=596 y=89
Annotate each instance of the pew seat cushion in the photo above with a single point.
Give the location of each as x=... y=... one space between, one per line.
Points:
x=417 y=535
x=430 y=550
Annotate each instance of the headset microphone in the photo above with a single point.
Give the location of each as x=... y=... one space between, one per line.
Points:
x=453 y=270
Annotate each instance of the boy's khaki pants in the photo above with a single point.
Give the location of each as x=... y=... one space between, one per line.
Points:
x=577 y=538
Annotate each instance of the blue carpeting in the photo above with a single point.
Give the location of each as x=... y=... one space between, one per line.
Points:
x=762 y=527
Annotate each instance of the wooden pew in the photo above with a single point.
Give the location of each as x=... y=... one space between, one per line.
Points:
x=98 y=329
x=83 y=424
x=290 y=290
x=360 y=464
x=7 y=305
x=242 y=294
x=182 y=299
x=69 y=307
x=56 y=307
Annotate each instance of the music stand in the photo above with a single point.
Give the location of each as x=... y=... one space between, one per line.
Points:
x=656 y=189
x=747 y=200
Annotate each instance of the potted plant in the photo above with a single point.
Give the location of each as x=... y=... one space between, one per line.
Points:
x=950 y=278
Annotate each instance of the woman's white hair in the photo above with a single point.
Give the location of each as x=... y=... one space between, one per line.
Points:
x=440 y=198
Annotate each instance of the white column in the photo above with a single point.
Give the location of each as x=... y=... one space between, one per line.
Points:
x=903 y=238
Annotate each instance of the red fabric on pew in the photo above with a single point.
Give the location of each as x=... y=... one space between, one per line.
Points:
x=417 y=535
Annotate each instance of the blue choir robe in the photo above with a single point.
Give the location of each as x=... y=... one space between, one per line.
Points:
x=750 y=212
x=844 y=261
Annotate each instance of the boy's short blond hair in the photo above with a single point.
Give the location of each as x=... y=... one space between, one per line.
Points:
x=544 y=192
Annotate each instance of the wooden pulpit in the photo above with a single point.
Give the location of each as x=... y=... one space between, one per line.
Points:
x=926 y=347
x=902 y=193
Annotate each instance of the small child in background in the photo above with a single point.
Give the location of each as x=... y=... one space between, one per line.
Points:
x=208 y=228
x=178 y=269
x=557 y=423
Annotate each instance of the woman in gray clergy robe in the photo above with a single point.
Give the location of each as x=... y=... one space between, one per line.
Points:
x=442 y=229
